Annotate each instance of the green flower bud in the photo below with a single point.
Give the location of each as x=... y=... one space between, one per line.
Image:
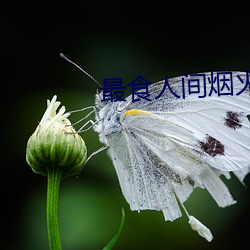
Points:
x=55 y=144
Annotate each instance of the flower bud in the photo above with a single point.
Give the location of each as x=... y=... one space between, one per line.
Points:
x=55 y=144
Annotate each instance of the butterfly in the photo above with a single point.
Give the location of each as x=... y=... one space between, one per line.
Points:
x=165 y=148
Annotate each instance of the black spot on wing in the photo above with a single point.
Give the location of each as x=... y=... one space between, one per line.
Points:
x=233 y=119
x=191 y=181
x=212 y=146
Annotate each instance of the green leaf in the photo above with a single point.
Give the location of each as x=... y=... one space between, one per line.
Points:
x=117 y=234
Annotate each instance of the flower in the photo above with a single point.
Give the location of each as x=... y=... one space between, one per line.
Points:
x=55 y=143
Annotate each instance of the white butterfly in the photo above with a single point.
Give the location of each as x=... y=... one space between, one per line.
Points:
x=163 y=149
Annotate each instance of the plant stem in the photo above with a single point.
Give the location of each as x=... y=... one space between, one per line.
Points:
x=54 y=177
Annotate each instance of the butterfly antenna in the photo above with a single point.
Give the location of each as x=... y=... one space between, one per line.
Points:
x=68 y=60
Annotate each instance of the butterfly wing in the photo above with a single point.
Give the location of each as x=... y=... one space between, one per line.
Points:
x=141 y=183
x=152 y=168
x=219 y=123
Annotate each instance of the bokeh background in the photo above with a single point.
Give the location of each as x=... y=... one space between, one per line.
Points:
x=108 y=39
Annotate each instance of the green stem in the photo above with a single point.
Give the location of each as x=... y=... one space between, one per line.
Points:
x=54 y=177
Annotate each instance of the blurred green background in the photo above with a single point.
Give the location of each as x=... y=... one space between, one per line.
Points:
x=108 y=39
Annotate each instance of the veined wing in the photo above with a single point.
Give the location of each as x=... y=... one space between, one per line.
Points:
x=152 y=168
x=219 y=124
x=141 y=184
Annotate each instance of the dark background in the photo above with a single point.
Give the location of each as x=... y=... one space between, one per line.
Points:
x=108 y=39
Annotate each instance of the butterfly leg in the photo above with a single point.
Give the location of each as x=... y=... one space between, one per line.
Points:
x=82 y=128
x=86 y=116
x=94 y=153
